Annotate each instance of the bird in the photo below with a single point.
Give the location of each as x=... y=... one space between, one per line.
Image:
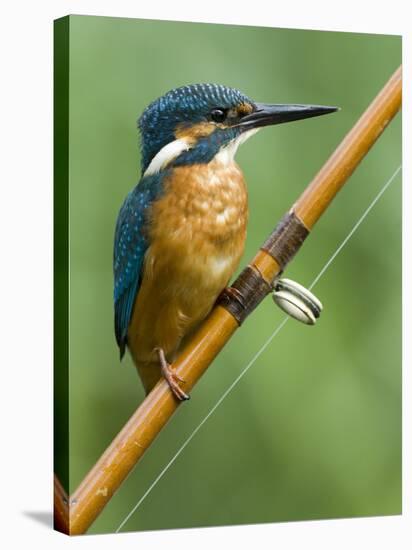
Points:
x=181 y=230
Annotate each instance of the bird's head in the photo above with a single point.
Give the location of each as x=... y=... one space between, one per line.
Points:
x=192 y=124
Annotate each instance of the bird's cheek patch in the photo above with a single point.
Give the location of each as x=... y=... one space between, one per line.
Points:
x=191 y=134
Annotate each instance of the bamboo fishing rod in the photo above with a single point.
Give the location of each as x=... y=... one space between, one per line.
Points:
x=61 y=507
x=233 y=306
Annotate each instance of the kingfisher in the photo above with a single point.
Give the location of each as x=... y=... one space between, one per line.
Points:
x=181 y=231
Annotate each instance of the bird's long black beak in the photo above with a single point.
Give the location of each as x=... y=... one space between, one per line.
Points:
x=266 y=114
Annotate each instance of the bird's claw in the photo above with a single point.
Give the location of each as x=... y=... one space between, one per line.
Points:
x=171 y=377
x=173 y=380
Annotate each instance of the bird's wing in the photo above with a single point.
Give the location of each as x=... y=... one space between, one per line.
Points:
x=130 y=245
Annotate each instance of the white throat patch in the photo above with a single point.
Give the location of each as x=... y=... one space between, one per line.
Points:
x=227 y=154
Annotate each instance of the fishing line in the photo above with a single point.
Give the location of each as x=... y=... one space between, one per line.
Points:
x=355 y=227
x=259 y=353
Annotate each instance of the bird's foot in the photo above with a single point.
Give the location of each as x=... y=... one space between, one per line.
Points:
x=171 y=377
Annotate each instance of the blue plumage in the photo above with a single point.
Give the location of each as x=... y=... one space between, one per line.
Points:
x=130 y=245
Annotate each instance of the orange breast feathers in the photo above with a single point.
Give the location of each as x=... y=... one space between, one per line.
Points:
x=197 y=232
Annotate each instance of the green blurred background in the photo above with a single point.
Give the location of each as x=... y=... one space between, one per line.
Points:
x=314 y=429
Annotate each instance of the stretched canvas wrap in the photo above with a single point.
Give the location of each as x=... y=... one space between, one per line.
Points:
x=290 y=422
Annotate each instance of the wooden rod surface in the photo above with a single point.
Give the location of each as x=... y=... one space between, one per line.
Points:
x=61 y=507
x=137 y=435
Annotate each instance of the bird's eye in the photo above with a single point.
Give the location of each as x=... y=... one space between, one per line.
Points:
x=218 y=115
